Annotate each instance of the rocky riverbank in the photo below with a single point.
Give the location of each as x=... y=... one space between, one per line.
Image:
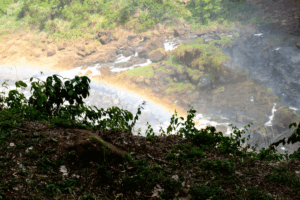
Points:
x=173 y=80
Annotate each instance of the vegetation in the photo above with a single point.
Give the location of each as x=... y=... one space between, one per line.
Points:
x=200 y=164
x=71 y=19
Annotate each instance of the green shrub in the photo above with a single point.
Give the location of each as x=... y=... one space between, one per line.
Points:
x=203 y=10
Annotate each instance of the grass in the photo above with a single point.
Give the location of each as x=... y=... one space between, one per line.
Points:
x=76 y=19
x=35 y=149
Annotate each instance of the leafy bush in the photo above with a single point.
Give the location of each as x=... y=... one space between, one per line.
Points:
x=202 y=10
x=41 y=105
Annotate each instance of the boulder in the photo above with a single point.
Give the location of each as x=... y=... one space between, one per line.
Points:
x=131 y=37
x=104 y=57
x=84 y=67
x=61 y=46
x=186 y=55
x=157 y=55
x=150 y=46
x=128 y=51
x=105 y=40
x=88 y=73
x=51 y=52
x=283 y=118
x=179 y=32
x=105 y=71
x=104 y=37
x=134 y=61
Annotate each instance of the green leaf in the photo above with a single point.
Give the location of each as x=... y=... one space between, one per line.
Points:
x=70 y=92
x=40 y=101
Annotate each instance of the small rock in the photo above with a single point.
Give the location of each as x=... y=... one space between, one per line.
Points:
x=51 y=52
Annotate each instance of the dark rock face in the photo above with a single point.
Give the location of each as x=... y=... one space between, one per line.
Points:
x=128 y=51
x=274 y=65
x=204 y=81
x=157 y=55
x=187 y=57
x=105 y=58
x=182 y=32
x=105 y=37
x=150 y=46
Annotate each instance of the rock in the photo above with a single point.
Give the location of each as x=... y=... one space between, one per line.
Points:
x=81 y=53
x=84 y=67
x=51 y=52
x=148 y=81
x=104 y=37
x=157 y=55
x=104 y=58
x=134 y=61
x=150 y=46
x=296 y=32
x=241 y=118
x=61 y=46
x=186 y=55
x=179 y=32
x=44 y=48
x=182 y=77
x=155 y=67
x=156 y=89
x=217 y=37
x=80 y=48
x=128 y=51
x=283 y=118
x=88 y=73
x=131 y=37
x=105 y=71
x=140 y=79
x=43 y=39
x=105 y=40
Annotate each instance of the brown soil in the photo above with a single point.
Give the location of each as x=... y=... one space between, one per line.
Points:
x=25 y=48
